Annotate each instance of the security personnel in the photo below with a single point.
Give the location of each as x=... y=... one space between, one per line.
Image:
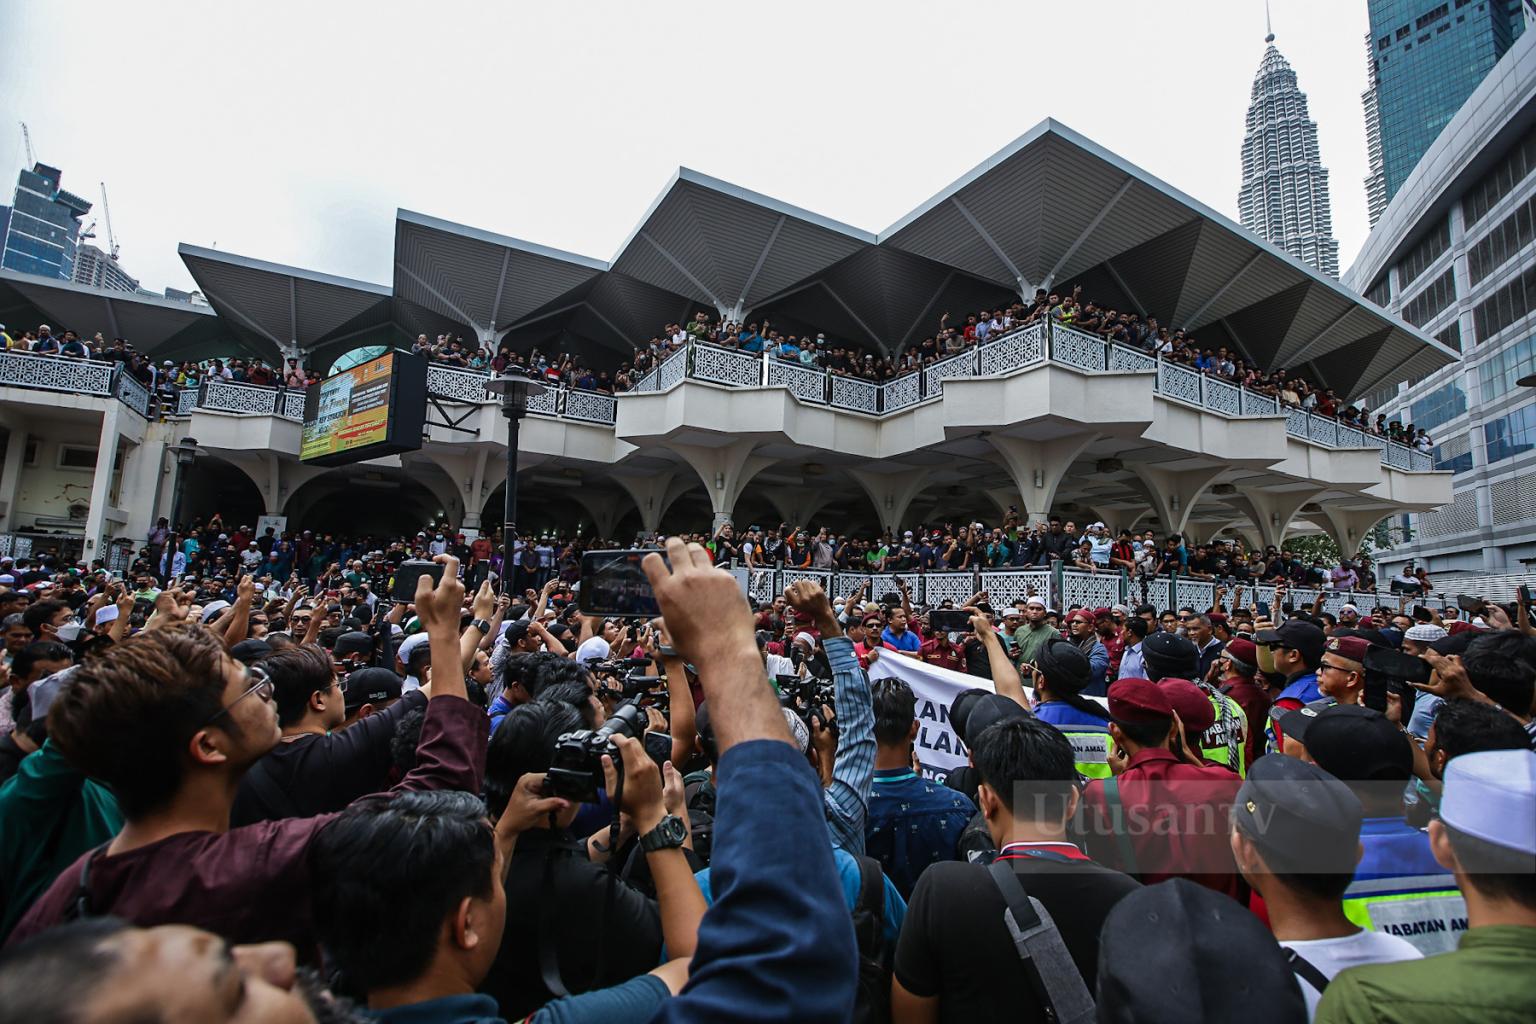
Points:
x=1486 y=836
x=1221 y=741
x=1294 y=650
x=1399 y=886
x=1062 y=671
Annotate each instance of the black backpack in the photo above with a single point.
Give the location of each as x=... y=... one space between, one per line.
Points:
x=872 y=1002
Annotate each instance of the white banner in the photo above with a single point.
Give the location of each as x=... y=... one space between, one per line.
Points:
x=939 y=747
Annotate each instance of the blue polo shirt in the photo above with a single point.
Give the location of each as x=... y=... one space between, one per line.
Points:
x=907 y=641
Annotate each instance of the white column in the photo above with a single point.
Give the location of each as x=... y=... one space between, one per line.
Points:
x=892 y=493
x=1173 y=493
x=10 y=476
x=725 y=470
x=101 y=483
x=1037 y=467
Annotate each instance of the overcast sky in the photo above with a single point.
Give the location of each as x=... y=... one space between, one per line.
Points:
x=291 y=132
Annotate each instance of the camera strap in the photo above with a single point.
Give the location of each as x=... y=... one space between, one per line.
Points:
x=549 y=934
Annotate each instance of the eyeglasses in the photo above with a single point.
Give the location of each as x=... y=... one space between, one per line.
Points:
x=1329 y=666
x=262 y=686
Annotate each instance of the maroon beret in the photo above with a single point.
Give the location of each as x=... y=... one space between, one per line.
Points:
x=1135 y=701
x=1193 y=706
x=1351 y=647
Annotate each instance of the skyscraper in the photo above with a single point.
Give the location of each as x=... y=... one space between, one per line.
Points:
x=1426 y=58
x=1284 y=196
x=98 y=269
x=44 y=228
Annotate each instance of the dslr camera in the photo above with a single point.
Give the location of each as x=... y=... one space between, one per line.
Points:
x=576 y=773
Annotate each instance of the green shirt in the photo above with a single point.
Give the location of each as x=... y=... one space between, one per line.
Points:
x=52 y=815
x=1031 y=639
x=1489 y=979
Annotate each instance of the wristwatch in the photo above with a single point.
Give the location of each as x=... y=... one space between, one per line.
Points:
x=669 y=834
x=481 y=625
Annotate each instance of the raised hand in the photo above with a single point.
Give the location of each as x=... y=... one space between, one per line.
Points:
x=439 y=606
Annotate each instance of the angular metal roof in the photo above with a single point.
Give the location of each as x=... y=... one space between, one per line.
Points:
x=156 y=326
x=1054 y=207
x=277 y=307
x=727 y=247
x=484 y=281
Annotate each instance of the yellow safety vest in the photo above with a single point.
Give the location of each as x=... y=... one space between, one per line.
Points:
x=1225 y=741
x=1090 y=749
x=1427 y=911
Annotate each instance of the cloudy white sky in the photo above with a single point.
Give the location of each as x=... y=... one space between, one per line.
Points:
x=292 y=131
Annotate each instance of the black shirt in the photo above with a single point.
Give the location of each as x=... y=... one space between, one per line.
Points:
x=550 y=872
x=317 y=774
x=955 y=945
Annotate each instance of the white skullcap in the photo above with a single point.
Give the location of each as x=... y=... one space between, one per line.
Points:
x=1491 y=795
x=1425 y=632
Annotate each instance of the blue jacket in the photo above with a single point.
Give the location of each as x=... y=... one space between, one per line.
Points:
x=913 y=823
x=777 y=942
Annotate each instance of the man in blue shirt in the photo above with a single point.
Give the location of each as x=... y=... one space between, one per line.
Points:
x=896 y=635
x=912 y=822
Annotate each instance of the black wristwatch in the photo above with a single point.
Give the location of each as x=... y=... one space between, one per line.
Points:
x=669 y=834
x=481 y=625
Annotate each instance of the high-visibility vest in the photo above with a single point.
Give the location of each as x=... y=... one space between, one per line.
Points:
x=1225 y=741
x=1090 y=749
x=1427 y=911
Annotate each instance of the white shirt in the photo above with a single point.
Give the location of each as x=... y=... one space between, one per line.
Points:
x=1330 y=956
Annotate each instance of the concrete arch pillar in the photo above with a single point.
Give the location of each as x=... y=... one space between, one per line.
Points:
x=1272 y=511
x=1037 y=467
x=603 y=508
x=1003 y=497
x=797 y=505
x=1348 y=527
x=892 y=493
x=725 y=470
x=1173 y=493
x=473 y=475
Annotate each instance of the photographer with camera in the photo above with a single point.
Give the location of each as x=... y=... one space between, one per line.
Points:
x=585 y=927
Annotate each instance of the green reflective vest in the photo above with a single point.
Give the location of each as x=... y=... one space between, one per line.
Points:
x=1225 y=741
x=1090 y=749
x=1425 y=910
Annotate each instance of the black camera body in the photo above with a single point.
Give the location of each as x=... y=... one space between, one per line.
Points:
x=576 y=772
x=411 y=570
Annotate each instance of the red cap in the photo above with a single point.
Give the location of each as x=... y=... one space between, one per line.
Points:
x=1352 y=648
x=1193 y=706
x=1080 y=614
x=1243 y=650
x=1102 y=613
x=1459 y=626
x=1138 y=700
x=1218 y=618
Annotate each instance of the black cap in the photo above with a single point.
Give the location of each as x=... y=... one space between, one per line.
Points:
x=1303 y=636
x=1358 y=744
x=961 y=706
x=515 y=631
x=1293 y=723
x=1064 y=665
x=370 y=686
x=352 y=643
x=1302 y=818
x=247 y=651
x=989 y=710
x=1169 y=655
x=1177 y=951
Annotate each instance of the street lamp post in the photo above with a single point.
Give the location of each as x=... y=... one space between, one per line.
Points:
x=514 y=387
x=185 y=452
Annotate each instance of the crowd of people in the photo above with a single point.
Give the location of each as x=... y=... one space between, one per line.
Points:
x=953 y=338
x=297 y=777
x=756 y=337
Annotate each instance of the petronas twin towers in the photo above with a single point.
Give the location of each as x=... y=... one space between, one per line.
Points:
x=1284 y=195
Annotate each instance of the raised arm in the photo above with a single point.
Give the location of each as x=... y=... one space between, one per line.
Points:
x=853 y=768
x=469 y=640
x=1005 y=677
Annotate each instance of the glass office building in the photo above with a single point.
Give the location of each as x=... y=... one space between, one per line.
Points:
x=44 y=228
x=1426 y=58
x=1455 y=255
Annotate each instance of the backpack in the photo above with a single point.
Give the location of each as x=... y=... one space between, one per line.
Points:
x=872 y=999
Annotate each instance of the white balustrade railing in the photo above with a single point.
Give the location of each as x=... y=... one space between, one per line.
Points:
x=806 y=383
x=588 y=406
x=1005 y=586
x=1175 y=381
x=131 y=393
x=457 y=385
x=1078 y=348
x=902 y=392
x=726 y=366
x=245 y=399
x=291 y=405
x=855 y=394
x=1222 y=397
x=1128 y=359
x=1091 y=590
x=1255 y=404
x=962 y=365
x=672 y=370
x=1013 y=351
x=56 y=373
x=647 y=382
x=186 y=401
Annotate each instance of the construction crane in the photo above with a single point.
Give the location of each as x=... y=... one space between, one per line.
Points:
x=26 y=137
x=106 y=212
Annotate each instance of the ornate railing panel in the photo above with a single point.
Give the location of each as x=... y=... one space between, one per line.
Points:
x=457 y=385
x=292 y=406
x=1122 y=358
x=246 y=399
x=56 y=373
x=1075 y=348
x=1175 y=381
x=1224 y=398
x=855 y=394
x=1091 y=590
x=1005 y=586
x=131 y=393
x=1012 y=352
x=962 y=365
x=902 y=392
x=804 y=382
x=588 y=406
x=724 y=366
